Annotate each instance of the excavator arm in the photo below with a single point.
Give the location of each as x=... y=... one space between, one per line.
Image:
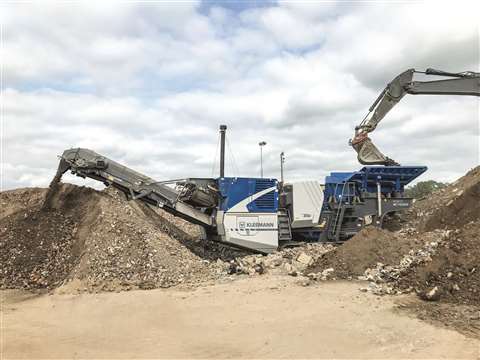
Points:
x=465 y=83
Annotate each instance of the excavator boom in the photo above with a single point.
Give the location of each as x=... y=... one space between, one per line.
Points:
x=465 y=83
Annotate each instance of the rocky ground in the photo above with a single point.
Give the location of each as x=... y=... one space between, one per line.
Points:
x=88 y=240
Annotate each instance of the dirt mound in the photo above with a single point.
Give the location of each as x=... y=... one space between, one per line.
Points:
x=454 y=271
x=12 y=201
x=95 y=240
x=39 y=248
x=449 y=208
x=367 y=248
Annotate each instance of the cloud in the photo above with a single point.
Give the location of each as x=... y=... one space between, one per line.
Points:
x=147 y=84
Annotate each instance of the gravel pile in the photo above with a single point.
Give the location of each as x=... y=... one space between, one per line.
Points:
x=12 y=201
x=449 y=208
x=39 y=248
x=91 y=241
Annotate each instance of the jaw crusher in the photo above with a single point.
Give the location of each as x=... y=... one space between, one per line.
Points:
x=260 y=214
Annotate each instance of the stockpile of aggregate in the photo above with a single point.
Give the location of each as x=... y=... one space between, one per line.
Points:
x=93 y=240
x=453 y=274
x=449 y=208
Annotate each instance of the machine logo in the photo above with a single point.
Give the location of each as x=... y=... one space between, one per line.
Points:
x=401 y=203
x=251 y=225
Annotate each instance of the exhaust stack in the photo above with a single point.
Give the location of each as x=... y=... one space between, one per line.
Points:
x=223 y=129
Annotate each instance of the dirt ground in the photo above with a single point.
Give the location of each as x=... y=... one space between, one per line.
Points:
x=259 y=317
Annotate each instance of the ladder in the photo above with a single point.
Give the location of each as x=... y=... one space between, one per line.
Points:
x=346 y=198
x=284 y=229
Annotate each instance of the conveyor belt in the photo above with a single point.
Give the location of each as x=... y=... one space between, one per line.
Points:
x=87 y=163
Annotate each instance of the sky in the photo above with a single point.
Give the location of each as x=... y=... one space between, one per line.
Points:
x=148 y=83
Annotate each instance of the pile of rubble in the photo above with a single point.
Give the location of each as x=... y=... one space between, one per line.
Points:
x=38 y=248
x=12 y=201
x=97 y=241
x=384 y=279
x=290 y=261
x=367 y=248
x=451 y=207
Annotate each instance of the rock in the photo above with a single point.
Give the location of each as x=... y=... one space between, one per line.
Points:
x=431 y=295
x=233 y=268
x=313 y=276
x=259 y=269
x=288 y=267
x=273 y=260
x=250 y=260
x=304 y=259
x=298 y=265
x=326 y=273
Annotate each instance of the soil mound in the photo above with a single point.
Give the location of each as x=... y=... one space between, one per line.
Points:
x=449 y=208
x=12 y=201
x=39 y=248
x=454 y=271
x=367 y=248
x=96 y=241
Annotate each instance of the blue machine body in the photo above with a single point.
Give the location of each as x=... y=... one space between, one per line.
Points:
x=392 y=179
x=235 y=189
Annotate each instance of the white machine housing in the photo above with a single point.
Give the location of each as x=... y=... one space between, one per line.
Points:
x=307 y=201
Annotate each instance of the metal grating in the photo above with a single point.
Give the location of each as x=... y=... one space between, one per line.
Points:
x=266 y=201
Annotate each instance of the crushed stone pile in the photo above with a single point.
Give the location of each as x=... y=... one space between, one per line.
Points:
x=91 y=240
x=289 y=261
x=453 y=273
x=12 y=201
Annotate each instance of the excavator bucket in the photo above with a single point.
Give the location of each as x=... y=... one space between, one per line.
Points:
x=368 y=154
